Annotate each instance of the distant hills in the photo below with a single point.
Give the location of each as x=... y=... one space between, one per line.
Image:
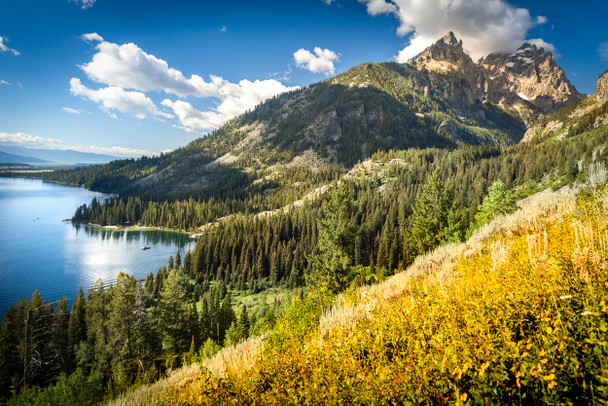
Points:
x=6 y=158
x=15 y=154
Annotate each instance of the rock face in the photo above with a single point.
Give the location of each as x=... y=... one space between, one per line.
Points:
x=601 y=90
x=527 y=78
x=532 y=74
x=446 y=55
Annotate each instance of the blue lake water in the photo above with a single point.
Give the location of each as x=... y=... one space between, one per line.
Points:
x=38 y=250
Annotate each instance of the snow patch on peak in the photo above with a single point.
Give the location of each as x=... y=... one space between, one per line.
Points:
x=523 y=96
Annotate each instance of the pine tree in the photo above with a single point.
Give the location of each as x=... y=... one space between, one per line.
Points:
x=331 y=265
x=242 y=325
x=178 y=259
x=498 y=201
x=430 y=214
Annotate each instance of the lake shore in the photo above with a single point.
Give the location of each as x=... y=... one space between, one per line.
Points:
x=135 y=228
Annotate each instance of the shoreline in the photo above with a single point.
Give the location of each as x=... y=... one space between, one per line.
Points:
x=134 y=228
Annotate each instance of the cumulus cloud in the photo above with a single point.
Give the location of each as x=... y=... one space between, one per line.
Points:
x=29 y=141
x=71 y=110
x=127 y=66
x=84 y=4
x=112 y=98
x=5 y=48
x=539 y=42
x=32 y=141
x=484 y=26
x=4 y=82
x=603 y=50
x=322 y=61
x=236 y=99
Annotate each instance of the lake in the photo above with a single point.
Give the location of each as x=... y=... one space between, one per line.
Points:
x=38 y=250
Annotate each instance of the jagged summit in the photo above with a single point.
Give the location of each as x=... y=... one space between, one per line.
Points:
x=450 y=39
x=531 y=73
x=444 y=55
x=601 y=90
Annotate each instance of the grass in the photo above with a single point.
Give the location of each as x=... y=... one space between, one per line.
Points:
x=517 y=314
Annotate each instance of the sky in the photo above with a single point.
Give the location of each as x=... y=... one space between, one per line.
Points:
x=135 y=77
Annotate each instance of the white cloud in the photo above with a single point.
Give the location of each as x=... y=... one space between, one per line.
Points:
x=111 y=98
x=127 y=66
x=237 y=99
x=84 y=4
x=603 y=50
x=5 y=48
x=32 y=141
x=92 y=37
x=484 y=26
x=224 y=29
x=539 y=42
x=4 y=82
x=375 y=7
x=541 y=20
x=70 y=110
x=322 y=61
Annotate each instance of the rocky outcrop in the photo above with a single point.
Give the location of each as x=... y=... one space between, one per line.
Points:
x=446 y=55
x=527 y=79
x=601 y=90
x=532 y=74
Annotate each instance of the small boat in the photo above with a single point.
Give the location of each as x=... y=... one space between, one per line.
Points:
x=146 y=247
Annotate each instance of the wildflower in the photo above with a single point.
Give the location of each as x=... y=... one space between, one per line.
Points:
x=549 y=330
x=528 y=346
x=549 y=377
x=541 y=353
x=604 y=307
x=463 y=397
x=483 y=368
x=552 y=384
x=543 y=361
x=524 y=354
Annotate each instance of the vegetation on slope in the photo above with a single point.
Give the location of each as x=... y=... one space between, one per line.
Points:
x=514 y=317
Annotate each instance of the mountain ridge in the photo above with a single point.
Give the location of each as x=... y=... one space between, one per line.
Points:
x=441 y=98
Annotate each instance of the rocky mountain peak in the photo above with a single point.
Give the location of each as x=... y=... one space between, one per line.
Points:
x=532 y=74
x=449 y=39
x=444 y=55
x=601 y=90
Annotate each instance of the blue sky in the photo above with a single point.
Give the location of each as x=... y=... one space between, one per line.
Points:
x=134 y=77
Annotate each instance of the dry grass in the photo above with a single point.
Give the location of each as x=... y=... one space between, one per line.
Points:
x=437 y=266
x=148 y=394
x=236 y=359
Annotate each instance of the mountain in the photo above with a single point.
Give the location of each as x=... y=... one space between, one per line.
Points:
x=590 y=115
x=601 y=90
x=441 y=98
x=6 y=158
x=58 y=156
x=533 y=75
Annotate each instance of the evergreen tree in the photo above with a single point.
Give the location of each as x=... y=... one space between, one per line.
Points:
x=430 y=215
x=499 y=200
x=331 y=265
x=242 y=326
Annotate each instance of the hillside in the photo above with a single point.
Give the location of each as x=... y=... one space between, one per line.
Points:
x=6 y=158
x=57 y=155
x=440 y=99
x=517 y=314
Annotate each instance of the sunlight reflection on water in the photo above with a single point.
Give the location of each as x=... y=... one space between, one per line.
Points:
x=40 y=251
